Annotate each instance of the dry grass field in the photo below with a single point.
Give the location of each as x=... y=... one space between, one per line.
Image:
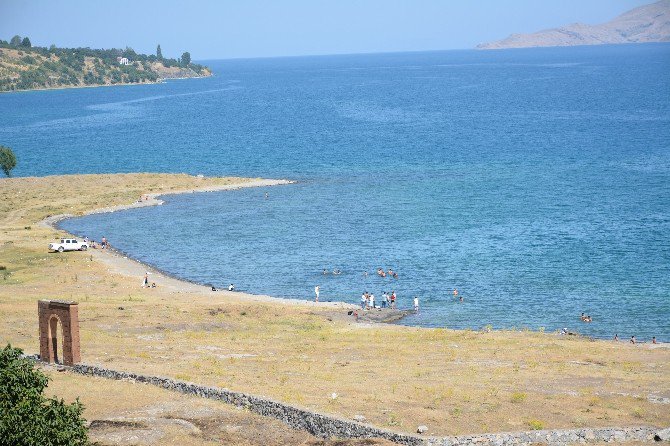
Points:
x=454 y=382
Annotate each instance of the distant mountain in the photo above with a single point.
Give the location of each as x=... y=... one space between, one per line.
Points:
x=649 y=23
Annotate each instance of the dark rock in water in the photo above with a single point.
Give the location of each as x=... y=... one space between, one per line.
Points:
x=383 y=315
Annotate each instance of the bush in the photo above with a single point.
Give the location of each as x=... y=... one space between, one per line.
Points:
x=27 y=417
x=536 y=425
x=518 y=397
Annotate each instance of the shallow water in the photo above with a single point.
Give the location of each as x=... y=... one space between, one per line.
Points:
x=537 y=182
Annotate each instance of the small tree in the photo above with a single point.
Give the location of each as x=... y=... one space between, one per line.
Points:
x=26 y=42
x=7 y=160
x=159 y=53
x=186 y=59
x=16 y=40
x=27 y=417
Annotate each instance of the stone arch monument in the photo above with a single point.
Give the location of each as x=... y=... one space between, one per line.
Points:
x=51 y=312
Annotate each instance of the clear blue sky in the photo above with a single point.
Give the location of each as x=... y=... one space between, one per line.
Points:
x=212 y=29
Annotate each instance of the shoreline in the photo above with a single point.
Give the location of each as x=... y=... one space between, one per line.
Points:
x=160 y=80
x=124 y=264
x=299 y=353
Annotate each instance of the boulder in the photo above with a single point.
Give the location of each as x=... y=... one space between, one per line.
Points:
x=663 y=435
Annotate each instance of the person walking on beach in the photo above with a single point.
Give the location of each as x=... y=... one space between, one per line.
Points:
x=416 y=304
x=317 y=290
x=104 y=242
x=364 y=299
x=231 y=287
x=632 y=339
x=145 y=281
x=393 y=297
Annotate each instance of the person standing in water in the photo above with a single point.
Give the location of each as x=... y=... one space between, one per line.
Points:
x=317 y=291
x=416 y=304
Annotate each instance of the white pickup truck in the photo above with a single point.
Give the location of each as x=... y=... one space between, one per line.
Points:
x=68 y=244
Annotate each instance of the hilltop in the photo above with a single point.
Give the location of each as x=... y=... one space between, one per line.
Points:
x=648 y=23
x=24 y=67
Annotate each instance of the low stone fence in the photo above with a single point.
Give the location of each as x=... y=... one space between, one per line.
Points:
x=320 y=425
x=328 y=426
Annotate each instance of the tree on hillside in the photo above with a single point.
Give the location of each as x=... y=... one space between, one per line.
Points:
x=186 y=59
x=129 y=53
x=159 y=53
x=16 y=40
x=26 y=42
x=27 y=417
x=7 y=160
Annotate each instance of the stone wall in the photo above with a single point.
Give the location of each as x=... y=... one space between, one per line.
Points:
x=328 y=426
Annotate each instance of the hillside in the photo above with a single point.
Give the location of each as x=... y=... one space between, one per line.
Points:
x=28 y=68
x=649 y=23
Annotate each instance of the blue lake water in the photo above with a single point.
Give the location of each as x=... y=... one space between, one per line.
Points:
x=537 y=182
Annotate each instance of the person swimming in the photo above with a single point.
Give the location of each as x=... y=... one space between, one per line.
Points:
x=337 y=272
x=325 y=271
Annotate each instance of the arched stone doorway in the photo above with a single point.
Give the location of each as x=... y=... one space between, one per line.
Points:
x=51 y=312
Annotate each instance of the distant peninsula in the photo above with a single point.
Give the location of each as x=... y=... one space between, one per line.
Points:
x=25 y=67
x=648 y=23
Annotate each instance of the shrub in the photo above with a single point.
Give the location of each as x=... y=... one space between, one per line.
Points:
x=518 y=397
x=536 y=425
x=27 y=417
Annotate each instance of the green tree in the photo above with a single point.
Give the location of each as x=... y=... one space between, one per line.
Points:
x=16 y=40
x=7 y=160
x=159 y=53
x=26 y=42
x=186 y=59
x=27 y=417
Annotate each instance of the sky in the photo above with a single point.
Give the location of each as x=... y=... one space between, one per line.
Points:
x=211 y=29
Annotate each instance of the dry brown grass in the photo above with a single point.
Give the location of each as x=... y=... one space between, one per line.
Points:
x=126 y=413
x=454 y=382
